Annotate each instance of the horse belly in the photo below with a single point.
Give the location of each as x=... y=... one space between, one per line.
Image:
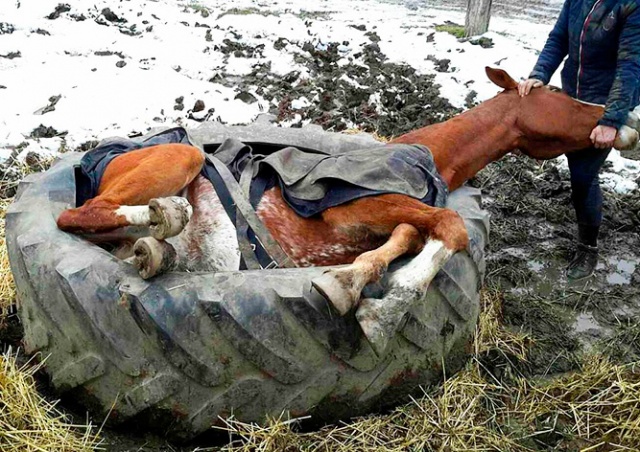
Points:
x=209 y=241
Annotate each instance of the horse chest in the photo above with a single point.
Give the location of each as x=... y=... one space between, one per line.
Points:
x=208 y=242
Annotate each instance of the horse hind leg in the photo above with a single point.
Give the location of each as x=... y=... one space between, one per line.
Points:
x=166 y=218
x=163 y=218
x=152 y=257
x=129 y=182
x=206 y=243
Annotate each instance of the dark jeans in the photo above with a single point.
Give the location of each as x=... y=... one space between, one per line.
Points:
x=585 y=185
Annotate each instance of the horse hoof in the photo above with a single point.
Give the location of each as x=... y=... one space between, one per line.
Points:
x=152 y=257
x=168 y=216
x=379 y=320
x=337 y=287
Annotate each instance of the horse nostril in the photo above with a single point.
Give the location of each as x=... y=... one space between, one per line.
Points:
x=626 y=139
x=633 y=119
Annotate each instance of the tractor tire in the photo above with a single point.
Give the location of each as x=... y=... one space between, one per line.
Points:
x=184 y=350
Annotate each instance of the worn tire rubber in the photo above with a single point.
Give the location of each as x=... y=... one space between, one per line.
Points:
x=182 y=350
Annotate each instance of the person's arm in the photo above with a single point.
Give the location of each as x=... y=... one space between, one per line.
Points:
x=627 y=79
x=555 y=49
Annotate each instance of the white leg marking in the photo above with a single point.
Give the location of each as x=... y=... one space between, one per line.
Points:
x=418 y=273
x=135 y=215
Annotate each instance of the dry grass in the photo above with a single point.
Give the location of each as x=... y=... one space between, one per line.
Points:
x=597 y=409
x=29 y=422
x=375 y=135
x=491 y=335
x=7 y=286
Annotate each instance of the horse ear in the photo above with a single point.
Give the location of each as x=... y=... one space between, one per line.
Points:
x=501 y=78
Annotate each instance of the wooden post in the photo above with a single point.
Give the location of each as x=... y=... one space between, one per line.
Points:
x=478 y=15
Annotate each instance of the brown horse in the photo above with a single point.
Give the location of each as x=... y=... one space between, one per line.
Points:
x=367 y=233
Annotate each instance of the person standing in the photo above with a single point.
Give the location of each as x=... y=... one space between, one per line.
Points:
x=601 y=40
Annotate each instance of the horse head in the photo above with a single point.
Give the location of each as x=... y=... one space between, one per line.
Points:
x=550 y=122
x=542 y=125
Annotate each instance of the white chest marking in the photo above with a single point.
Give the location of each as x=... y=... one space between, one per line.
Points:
x=208 y=242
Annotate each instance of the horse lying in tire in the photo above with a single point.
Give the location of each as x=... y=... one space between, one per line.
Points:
x=141 y=188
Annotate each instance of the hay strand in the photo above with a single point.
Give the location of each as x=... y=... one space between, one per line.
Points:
x=29 y=422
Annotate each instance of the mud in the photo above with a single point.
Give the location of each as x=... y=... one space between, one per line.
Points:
x=60 y=9
x=531 y=242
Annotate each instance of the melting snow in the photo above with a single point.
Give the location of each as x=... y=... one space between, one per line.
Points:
x=118 y=78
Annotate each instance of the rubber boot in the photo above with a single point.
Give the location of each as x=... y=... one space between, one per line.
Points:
x=585 y=259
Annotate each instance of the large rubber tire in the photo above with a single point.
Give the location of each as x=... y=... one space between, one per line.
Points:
x=183 y=349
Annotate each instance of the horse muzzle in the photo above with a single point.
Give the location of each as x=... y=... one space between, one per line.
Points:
x=629 y=134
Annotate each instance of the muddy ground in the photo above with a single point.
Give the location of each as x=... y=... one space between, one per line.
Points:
x=533 y=224
x=532 y=238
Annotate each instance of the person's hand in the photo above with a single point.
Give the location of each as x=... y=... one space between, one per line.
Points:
x=525 y=86
x=603 y=137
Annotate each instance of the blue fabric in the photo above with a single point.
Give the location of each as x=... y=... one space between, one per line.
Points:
x=607 y=70
x=344 y=177
x=340 y=192
x=94 y=163
x=313 y=181
x=585 y=184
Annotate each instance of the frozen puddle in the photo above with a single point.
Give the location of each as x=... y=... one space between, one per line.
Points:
x=622 y=270
x=586 y=322
x=535 y=266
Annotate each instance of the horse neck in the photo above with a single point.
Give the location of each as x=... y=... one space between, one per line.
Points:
x=464 y=145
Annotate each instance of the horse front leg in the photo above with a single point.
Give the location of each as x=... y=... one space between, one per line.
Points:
x=441 y=233
x=379 y=319
x=343 y=286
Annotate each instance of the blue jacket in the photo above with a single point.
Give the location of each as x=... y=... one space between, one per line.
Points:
x=602 y=41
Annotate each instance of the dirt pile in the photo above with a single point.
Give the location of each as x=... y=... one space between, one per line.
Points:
x=367 y=92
